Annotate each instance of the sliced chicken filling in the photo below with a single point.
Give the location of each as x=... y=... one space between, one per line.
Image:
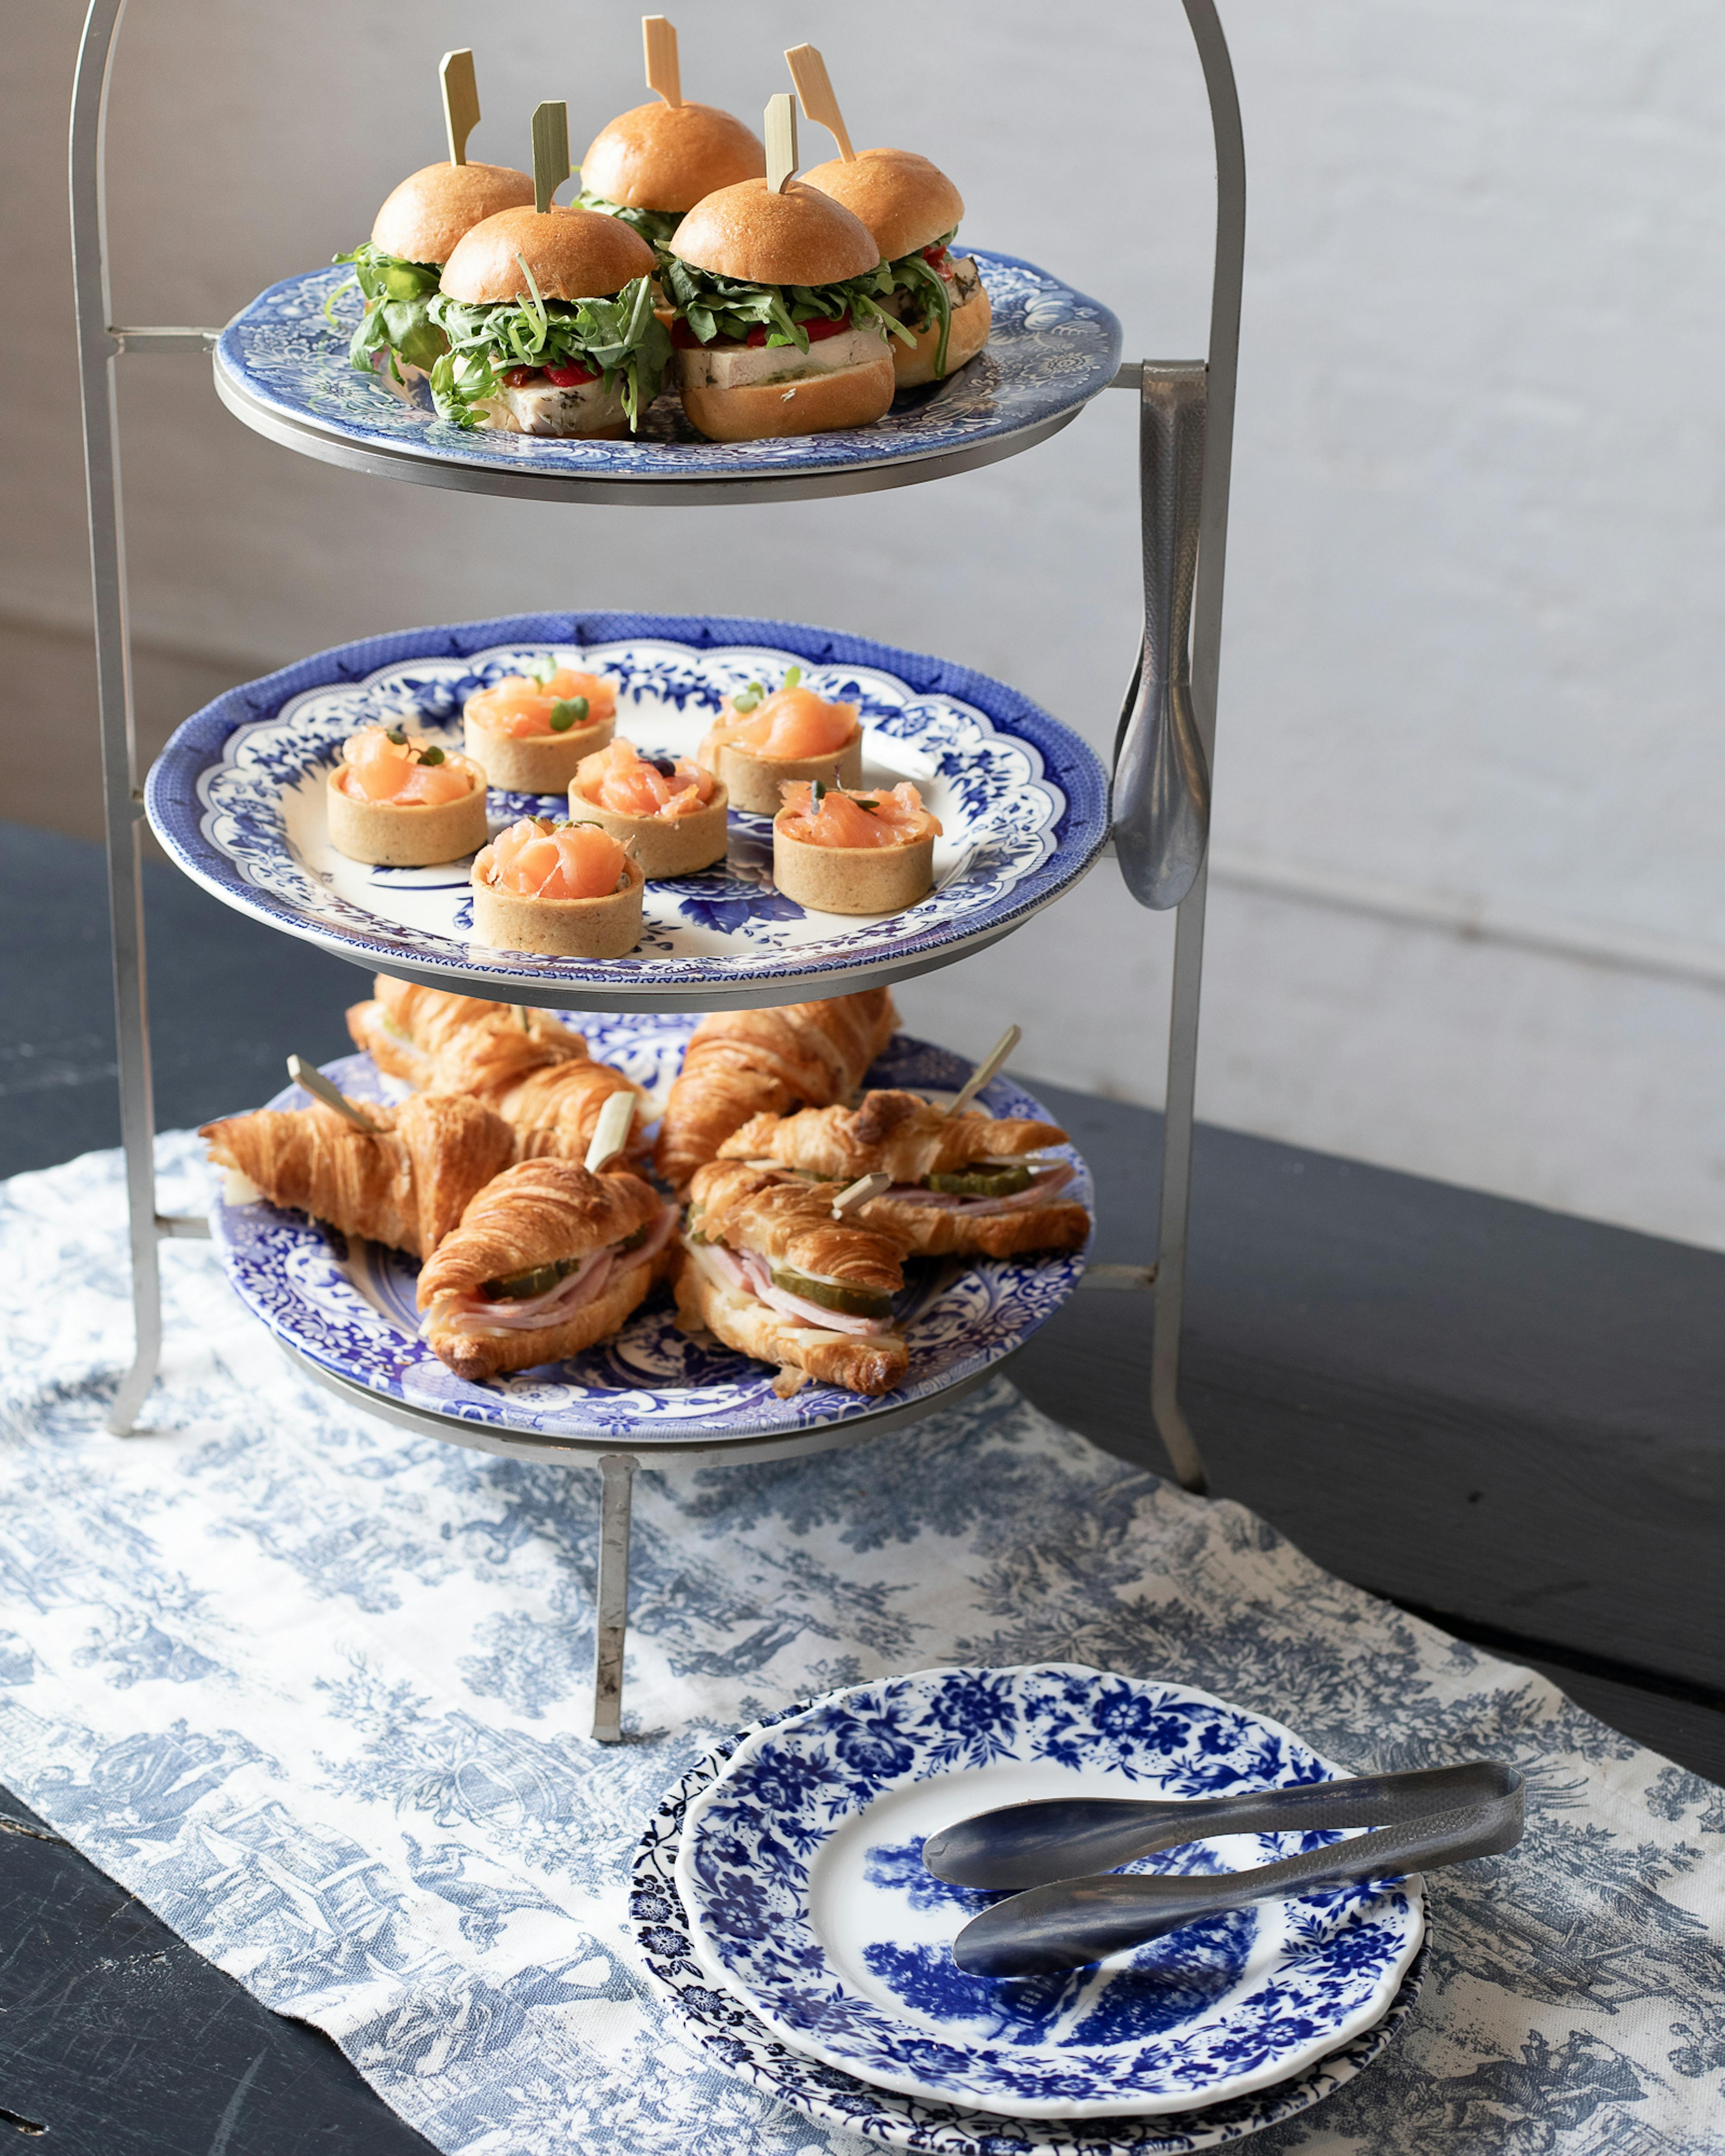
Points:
x=740 y=366
x=540 y=408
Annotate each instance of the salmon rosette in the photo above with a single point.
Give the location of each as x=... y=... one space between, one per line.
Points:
x=759 y=743
x=868 y=851
x=398 y=800
x=568 y=890
x=529 y=731
x=668 y=811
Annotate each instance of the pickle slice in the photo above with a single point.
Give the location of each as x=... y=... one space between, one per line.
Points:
x=517 y=1287
x=983 y=1180
x=832 y=1295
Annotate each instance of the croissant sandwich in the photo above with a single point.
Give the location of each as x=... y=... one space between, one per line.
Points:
x=407 y=1184
x=522 y=1064
x=969 y=1183
x=767 y=1269
x=547 y=1260
x=740 y=1064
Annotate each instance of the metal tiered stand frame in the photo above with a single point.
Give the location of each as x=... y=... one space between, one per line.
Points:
x=1160 y=807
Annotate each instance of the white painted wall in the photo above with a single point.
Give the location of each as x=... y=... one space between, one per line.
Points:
x=1474 y=631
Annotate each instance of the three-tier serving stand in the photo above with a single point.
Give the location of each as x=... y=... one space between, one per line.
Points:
x=1160 y=809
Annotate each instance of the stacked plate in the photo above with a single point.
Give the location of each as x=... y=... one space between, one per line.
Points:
x=783 y=1907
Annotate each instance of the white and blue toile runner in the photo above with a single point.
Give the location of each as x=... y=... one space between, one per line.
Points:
x=314 y=1688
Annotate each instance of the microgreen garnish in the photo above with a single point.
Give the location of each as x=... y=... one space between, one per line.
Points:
x=567 y=711
x=816 y=792
x=540 y=669
x=746 y=700
x=397 y=735
x=792 y=676
x=431 y=756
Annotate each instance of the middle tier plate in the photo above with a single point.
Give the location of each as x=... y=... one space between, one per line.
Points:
x=237 y=799
x=349 y=1310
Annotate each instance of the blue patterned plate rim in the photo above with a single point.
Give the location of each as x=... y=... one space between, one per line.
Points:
x=1051 y=351
x=217 y=797
x=350 y=1310
x=798 y=1910
x=743 y=2044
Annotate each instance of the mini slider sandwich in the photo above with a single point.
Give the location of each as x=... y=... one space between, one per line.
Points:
x=398 y=269
x=968 y=1183
x=549 y=1259
x=780 y=328
x=768 y=1270
x=652 y=165
x=912 y=209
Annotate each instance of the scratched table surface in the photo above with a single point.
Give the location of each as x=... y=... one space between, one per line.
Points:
x=1503 y=1418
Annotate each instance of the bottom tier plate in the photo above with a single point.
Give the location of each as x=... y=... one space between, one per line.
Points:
x=347 y=1308
x=743 y=2045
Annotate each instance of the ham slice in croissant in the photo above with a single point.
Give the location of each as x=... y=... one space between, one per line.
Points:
x=407 y=1186
x=547 y=1260
x=522 y=1064
x=768 y=1270
x=740 y=1064
x=910 y=1139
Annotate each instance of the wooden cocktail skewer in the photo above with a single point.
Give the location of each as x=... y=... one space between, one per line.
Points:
x=781 y=131
x=809 y=71
x=551 y=152
x=986 y=1068
x=859 y=1192
x=610 y=1133
x=461 y=110
x=312 y=1080
x=663 y=74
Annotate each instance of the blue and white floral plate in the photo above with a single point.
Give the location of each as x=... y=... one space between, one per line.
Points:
x=349 y=1308
x=742 y=2044
x=801 y=1874
x=237 y=799
x=281 y=366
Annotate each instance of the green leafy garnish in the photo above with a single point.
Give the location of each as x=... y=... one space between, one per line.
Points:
x=397 y=294
x=540 y=669
x=398 y=735
x=621 y=340
x=816 y=792
x=792 y=676
x=727 y=307
x=431 y=756
x=930 y=293
x=747 y=699
x=655 y=226
x=568 y=712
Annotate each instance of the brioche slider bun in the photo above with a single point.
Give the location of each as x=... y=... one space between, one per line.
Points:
x=427 y=216
x=573 y=254
x=907 y=203
x=797 y=237
x=666 y=157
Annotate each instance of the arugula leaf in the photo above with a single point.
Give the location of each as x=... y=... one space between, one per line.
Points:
x=931 y=296
x=621 y=339
x=397 y=296
x=655 y=226
x=729 y=307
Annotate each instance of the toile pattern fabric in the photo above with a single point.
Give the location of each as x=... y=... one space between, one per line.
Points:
x=315 y=1688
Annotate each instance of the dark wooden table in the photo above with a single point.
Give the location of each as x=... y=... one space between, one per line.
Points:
x=1504 y=1419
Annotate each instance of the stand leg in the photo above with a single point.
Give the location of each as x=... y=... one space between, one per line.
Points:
x=96 y=351
x=618 y=1472
x=1169 y=1313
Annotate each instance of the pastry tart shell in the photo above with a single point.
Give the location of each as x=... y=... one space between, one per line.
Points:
x=534 y=763
x=852 y=878
x=753 y=782
x=608 y=927
x=664 y=845
x=404 y=834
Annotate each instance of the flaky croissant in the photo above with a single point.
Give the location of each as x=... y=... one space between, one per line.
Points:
x=740 y=1064
x=522 y=1064
x=875 y=1364
x=791 y=1224
x=549 y=1215
x=407 y=1185
x=907 y=1138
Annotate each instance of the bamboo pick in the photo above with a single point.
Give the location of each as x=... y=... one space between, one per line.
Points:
x=781 y=141
x=663 y=74
x=308 y=1075
x=986 y=1068
x=461 y=110
x=551 y=152
x=809 y=71
x=859 y=1192
x=610 y=1134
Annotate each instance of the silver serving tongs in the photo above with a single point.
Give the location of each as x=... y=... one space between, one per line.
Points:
x=1428 y=1818
x=1161 y=801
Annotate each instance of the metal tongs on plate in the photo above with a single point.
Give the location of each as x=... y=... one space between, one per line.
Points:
x=1422 y=1820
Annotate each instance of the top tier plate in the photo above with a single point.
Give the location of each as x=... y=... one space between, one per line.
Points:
x=281 y=368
